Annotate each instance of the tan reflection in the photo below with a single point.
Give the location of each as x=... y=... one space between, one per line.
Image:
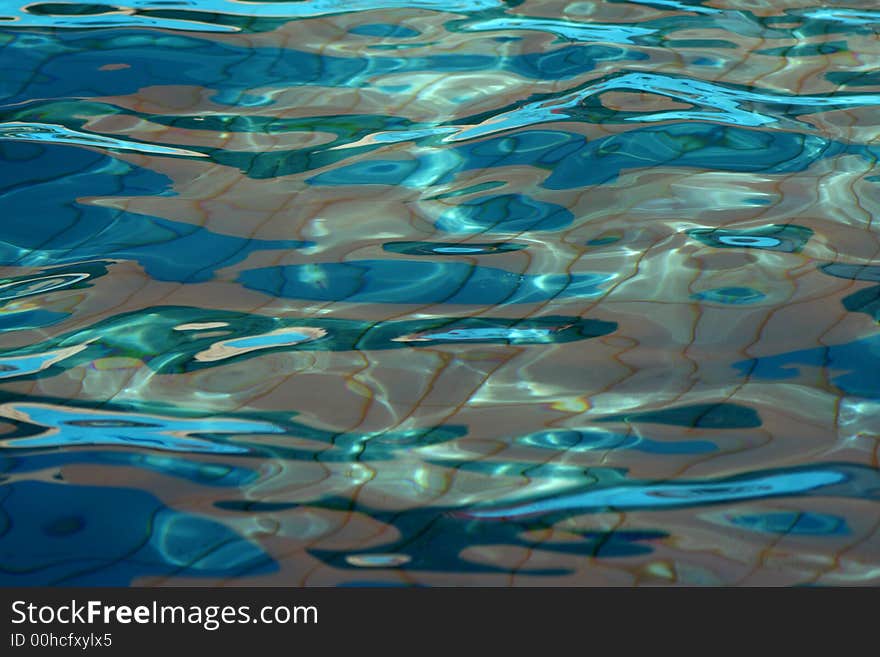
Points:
x=279 y=338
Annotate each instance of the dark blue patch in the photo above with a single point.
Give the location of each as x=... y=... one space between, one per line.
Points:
x=568 y=62
x=62 y=534
x=69 y=64
x=30 y=319
x=43 y=224
x=864 y=301
x=384 y=30
x=371 y=172
x=512 y=213
x=856 y=78
x=785 y=238
x=852 y=272
x=603 y=241
x=858 y=360
x=416 y=281
x=723 y=415
x=451 y=248
x=806 y=50
x=574 y=162
x=692 y=145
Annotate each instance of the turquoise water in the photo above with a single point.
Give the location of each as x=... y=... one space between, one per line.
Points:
x=418 y=293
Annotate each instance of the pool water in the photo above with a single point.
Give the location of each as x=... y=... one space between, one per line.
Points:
x=422 y=293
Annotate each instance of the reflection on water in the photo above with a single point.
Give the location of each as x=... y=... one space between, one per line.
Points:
x=405 y=292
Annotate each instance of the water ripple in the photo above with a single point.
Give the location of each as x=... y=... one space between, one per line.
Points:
x=477 y=292
x=723 y=104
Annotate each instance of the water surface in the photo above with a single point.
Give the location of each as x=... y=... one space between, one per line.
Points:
x=409 y=292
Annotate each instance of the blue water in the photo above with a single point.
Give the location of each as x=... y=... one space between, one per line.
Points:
x=406 y=292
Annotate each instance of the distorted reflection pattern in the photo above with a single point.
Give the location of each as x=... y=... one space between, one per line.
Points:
x=422 y=293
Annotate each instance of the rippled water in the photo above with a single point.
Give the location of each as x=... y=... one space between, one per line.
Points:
x=410 y=292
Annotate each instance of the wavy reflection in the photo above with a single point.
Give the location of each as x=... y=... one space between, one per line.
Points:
x=421 y=293
x=659 y=495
